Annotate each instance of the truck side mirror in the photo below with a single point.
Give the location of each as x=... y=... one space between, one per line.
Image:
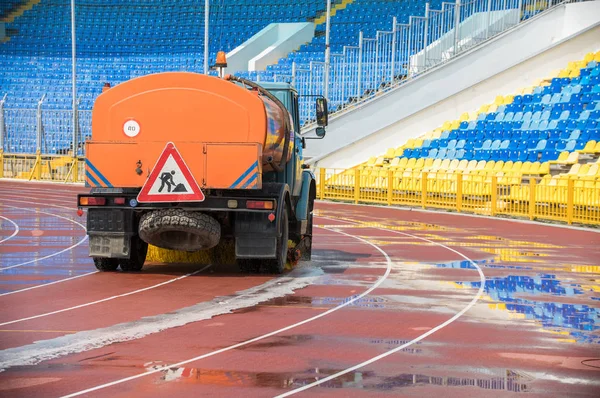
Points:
x=322 y=114
x=320 y=132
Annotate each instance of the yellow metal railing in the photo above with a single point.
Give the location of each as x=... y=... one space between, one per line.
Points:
x=571 y=200
x=42 y=167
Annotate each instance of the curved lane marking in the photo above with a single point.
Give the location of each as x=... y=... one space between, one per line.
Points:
x=413 y=341
x=16 y=229
x=264 y=336
x=48 y=284
x=105 y=299
x=49 y=255
x=40 y=204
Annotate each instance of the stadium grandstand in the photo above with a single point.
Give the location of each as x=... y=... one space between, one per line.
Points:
x=546 y=134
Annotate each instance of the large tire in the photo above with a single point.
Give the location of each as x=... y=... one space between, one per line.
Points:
x=277 y=266
x=178 y=229
x=137 y=258
x=106 y=264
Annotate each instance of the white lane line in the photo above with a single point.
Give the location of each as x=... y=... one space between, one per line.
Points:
x=264 y=336
x=48 y=284
x=41 y=204
x=415 y=340
x=47 y=194
x=16 y=228
x=49 y=255
x=105 y=299
x=51 y=283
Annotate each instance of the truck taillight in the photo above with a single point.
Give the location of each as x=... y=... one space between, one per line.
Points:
x=92 y=201
x=260 y=204
x=119 y=201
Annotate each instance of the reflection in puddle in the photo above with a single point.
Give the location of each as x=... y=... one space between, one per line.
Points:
x=553 y=294
x=509 y=380
x=367 y=301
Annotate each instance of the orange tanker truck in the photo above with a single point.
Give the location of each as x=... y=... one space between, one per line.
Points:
x=183 y=161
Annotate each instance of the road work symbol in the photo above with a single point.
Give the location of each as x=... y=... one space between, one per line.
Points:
x=170 y=180
x=167 y=179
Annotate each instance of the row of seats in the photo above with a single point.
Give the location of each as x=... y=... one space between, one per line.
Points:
x=529 y=127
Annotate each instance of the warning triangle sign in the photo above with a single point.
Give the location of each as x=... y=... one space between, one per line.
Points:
x=170 y=180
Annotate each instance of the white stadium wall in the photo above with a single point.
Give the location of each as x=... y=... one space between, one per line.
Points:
x=511 y=61
x=275 y=41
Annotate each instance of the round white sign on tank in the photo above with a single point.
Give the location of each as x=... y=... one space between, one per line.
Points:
x=131 y=128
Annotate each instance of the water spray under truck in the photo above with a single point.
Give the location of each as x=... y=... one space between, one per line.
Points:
x=183 y=161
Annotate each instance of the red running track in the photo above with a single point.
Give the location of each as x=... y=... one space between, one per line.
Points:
x=380 y=279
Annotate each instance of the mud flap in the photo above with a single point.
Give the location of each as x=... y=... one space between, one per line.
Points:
x=255 y=236
x=110 y=232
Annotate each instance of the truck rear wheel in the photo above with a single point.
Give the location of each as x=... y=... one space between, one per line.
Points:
x=106 y=264
x=278 y=265
x=178 y=229
x=138 y=252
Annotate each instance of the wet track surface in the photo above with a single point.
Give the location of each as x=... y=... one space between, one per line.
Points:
x=394 y=303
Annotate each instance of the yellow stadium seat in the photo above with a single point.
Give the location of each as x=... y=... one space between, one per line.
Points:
x=492 y=108
x=516 y=167
x=508 y=99
x=409 y=144
x=588 y=57
x=563 y=73
x=419 y=164
x=526 y=167
x=573 y=170
x=379 y=161
x=562 y=158
x=489 y=166
x=390 y=153
x=445 y=165
x=394 y=163
x=398 y=152
x=462 y=165
x=544 y=168
x=455 y=124
x=446 y=125
x=464 y=117
x=473 y=115
x=498 y=166
x=471 y=166
x=592 y=171
x=574 y=73
x=483 y=108
x=583 y=170
x=597 y=56
x=371 y=161
x=597 y=148
x=402 y=163
x=418 y=143
x=453 y=164
x=499 y=100
x=428 y=162
x=410 y=165
x=507 y=166
x=436 y=134
x=535 y=168
x=590 y=147
x=437 y=163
